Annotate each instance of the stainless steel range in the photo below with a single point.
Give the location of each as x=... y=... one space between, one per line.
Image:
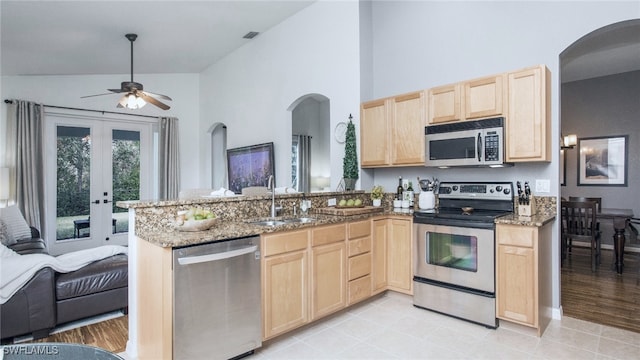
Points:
x=455 y=257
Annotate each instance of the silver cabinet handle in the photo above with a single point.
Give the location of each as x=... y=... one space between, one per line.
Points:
x=214 y=257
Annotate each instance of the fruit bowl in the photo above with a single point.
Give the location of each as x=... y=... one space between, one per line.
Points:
x=196 y=225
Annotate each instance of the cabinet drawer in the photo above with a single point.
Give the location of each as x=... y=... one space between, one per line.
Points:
x=516 y=235
x=359 y=229
x=328 y=234
x=285 y=242
x=359 y=289
x=359 y=266
x=359 y=246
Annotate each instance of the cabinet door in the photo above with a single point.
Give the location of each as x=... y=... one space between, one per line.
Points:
x=399 y=259
x=379 y=256
x=285 y=289
x=445 y=104
x=483 y=97
x=528 y=129
x=407 y=129
x=516 y=287
x=374 y=137
x=328 y=279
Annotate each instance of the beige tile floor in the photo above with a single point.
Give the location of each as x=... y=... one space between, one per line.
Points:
x=390 y=327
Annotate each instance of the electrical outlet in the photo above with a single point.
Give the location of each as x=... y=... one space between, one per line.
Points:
x=543 y=185
x=405 y=183
x=331 y=202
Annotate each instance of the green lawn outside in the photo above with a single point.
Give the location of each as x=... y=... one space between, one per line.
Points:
x=65 y=229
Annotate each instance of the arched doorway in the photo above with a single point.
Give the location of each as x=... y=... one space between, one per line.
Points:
x=218 y=133
x=599 y=97
x=310 y=149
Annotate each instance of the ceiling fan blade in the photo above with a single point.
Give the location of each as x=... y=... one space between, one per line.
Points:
x=158 y=95
x=118 y=90
x=153 y=101
x=88 y=96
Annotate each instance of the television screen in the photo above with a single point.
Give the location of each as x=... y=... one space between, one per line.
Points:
x=250 y=166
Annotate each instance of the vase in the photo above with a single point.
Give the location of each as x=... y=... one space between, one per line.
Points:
x=377 y=202
x=350 y=184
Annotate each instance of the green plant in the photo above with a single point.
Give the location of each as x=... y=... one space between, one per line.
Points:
x=377 y=192
x=350 y=161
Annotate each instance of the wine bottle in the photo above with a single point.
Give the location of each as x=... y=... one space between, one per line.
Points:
x=400 y=189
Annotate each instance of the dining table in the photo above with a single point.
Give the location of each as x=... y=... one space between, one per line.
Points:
x=621 y=218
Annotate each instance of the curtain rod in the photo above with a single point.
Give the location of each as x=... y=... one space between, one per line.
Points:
x=7 y=101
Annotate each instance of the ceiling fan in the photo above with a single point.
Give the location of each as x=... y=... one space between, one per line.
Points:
x=135 y=97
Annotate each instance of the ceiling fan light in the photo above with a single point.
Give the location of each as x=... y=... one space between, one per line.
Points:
x=135 y=102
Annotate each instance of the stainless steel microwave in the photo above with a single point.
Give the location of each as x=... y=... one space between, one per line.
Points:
x=465 y=143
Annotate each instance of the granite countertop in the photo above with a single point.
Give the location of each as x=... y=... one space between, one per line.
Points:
x=536 y=220
x=243 y=228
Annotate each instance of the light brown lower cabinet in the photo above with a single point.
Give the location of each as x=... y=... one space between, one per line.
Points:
x=399 y=255
x=285 y=279
x=379 y=256
x=523 y=275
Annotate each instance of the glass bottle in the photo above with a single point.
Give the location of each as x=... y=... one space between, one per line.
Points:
x=409 y=194
x=400 y=189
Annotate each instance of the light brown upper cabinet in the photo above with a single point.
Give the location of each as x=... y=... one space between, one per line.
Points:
x=445 y=103
x=374 y=137
x=484 y=97
x=468 y=100
x=528 y=125
x=392 y=131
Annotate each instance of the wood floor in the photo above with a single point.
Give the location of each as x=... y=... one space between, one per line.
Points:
x=111 y=335
x=602 y=297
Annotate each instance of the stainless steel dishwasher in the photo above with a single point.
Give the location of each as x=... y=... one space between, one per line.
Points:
x=216 y=307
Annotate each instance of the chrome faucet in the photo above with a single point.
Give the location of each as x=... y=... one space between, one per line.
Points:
x=271 y=185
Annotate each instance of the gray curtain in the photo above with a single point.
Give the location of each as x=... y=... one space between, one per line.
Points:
x=304 y=163
x=169 y=159
x=25 y=125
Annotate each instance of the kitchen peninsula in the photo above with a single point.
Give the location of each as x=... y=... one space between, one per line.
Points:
x=347 y=241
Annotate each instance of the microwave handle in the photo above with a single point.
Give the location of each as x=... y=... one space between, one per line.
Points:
x=479 y=147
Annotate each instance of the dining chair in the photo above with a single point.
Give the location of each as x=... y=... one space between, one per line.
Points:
x=578 y=222
x=597 y=200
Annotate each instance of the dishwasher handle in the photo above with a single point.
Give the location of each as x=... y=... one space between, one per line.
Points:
x=189 y=260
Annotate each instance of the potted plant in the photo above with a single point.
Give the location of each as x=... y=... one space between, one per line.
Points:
x=350 y=161
x=377 y=192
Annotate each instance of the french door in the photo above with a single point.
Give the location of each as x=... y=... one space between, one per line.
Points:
x=92 y=163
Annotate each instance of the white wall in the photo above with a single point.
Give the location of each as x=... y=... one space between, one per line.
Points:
x=315 y=51
x=67 y=90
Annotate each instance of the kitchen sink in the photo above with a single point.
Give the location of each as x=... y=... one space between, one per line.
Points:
x=302 y=220
x=267 y=222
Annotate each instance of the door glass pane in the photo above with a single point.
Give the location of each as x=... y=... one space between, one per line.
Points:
x=125 y=148
x=453 y=251
x=73 y=182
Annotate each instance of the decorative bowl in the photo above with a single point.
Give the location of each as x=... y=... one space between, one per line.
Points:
x=196 y=225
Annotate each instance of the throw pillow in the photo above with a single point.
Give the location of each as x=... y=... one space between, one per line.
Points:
x=6 y=252
x=4 y=235
x=17 y=227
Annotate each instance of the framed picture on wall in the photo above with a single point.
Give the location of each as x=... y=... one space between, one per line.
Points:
x=250 y=166
x=563 y=167
x=603 y=161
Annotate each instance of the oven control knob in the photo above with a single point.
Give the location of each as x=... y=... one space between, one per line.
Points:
x=506 y=191
x=455 y=187
x=498 y=188
x=491 y=191
x=445 y=190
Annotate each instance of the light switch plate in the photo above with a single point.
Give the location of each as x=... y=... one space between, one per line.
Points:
x=543 y=185
x=331 y=202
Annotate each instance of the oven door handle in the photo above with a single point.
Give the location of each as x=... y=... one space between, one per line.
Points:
x=479 y=147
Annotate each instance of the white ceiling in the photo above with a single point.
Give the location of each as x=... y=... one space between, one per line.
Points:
x=87 y=37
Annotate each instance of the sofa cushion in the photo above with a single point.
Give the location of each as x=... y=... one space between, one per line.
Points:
x=17 y=227
x=102 y=275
